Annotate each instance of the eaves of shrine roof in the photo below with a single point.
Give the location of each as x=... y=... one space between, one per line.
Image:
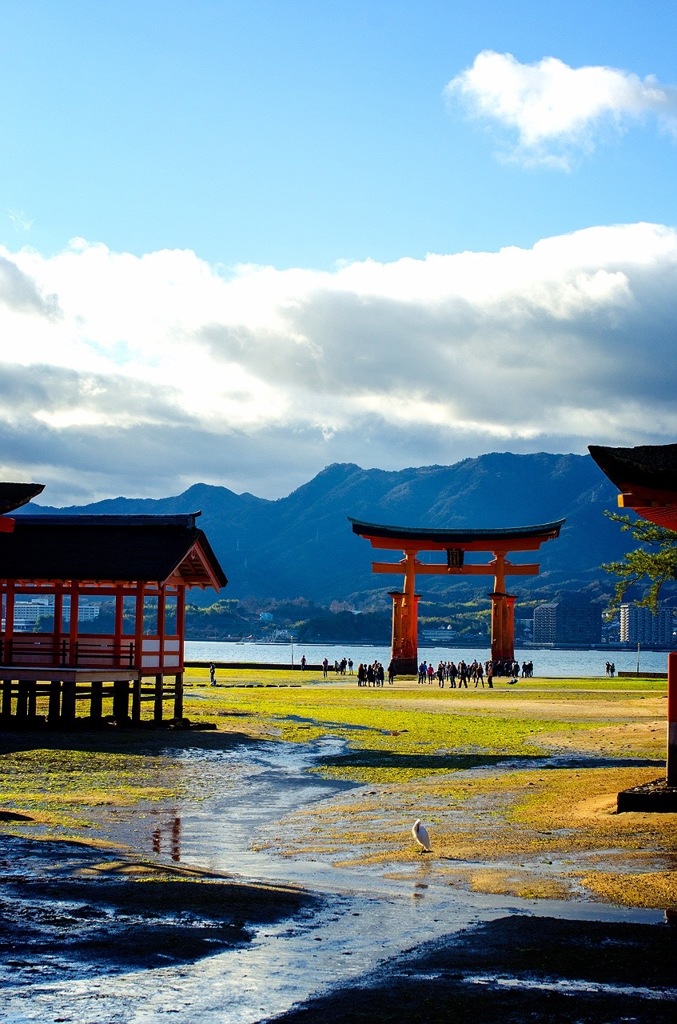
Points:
x=110 y=549
x=652 y=466
x=14 y=495
x=646 y=476
x=545 y=531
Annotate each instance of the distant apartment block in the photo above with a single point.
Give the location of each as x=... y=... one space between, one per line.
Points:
x=639 y=625
x=27 y=613
x=569 y=621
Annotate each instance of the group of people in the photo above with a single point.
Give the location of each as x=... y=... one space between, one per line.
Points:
x=478 y=673
x=340 y=667
x=373 y=674
x=512 y=669
x=610 y=669
x=457 y=675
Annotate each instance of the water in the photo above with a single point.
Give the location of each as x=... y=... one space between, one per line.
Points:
x=548 y=663
x=364 y=917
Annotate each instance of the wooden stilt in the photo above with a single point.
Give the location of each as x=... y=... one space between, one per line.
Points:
x=157 y=705
x=178 y=695
x=136 y=700
x=32 y=698
x=54 y=709
x=6 y=698
x=121 y=700
x=68 y=702
x=22 y=700
x=96 y=702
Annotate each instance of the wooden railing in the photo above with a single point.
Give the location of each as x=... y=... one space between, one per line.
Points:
x=28 y=649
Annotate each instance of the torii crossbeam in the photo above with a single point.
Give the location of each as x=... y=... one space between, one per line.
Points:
x=454 y=543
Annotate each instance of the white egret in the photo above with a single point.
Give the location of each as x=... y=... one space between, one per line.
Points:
x=420 y=834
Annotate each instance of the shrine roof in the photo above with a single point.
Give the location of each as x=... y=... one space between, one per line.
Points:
x=109 y=549
x=646 y=476
x=14 y=495
x=545 y=531
x=646 y=465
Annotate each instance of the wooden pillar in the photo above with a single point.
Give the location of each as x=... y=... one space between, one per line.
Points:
x=96 y=701
x=157 y=703
x=9 y=622
x=397 y=598
x=54 y=708
x=6 y=698
x=68 y=701
x=73 y=626
x=58 y=624
x=181 y=621
x=404 y=652
x=404 y=643
x=161 y=619
x=502 y=614
x=32 y=698
x=121 y=701
x=22 y=700
x=119 y=624
x=138 y=626
x=502 y=626
x=672 y=720
x=178 y=695
x=136 y=700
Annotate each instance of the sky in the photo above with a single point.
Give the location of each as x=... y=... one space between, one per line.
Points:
x=241 y=241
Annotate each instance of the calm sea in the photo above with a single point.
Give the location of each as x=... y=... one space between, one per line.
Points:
x=547 y=662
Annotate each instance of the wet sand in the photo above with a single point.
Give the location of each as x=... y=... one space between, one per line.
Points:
x=89 y=936
x=517 y=969
x=223 y=905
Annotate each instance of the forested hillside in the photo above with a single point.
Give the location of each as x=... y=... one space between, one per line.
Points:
x=302 y=545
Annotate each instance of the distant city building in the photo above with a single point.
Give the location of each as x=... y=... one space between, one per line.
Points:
x=569 y=621
x=545 y=623
x=27 y=613
x=639 y=625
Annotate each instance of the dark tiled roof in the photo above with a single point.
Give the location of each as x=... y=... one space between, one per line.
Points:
x=545 y=531
x=646 y=465
x=109 y=548
x=14 y=495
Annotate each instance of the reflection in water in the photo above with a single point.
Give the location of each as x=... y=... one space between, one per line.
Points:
x=168 y=835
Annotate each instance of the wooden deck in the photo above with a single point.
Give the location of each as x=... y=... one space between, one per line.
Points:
x=53 y=695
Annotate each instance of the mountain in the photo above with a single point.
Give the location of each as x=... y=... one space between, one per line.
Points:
x=302 y=545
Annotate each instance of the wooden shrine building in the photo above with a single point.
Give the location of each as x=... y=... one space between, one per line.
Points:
x=646 y=477
x=453 y=544
x=68 y=565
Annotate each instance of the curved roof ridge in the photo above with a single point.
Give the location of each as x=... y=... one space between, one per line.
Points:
x=362 y=528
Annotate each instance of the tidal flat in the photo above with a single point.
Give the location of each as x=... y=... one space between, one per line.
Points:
x=277 y=848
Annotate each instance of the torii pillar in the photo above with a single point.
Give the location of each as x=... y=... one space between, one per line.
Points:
x=454 y=543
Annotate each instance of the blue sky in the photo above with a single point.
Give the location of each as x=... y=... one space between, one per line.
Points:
x=240 y=241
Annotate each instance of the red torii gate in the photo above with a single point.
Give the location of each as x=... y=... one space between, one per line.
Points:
x=455 y=543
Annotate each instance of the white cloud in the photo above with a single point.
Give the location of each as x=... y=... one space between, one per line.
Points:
x=141 y=375
x=556 y=109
